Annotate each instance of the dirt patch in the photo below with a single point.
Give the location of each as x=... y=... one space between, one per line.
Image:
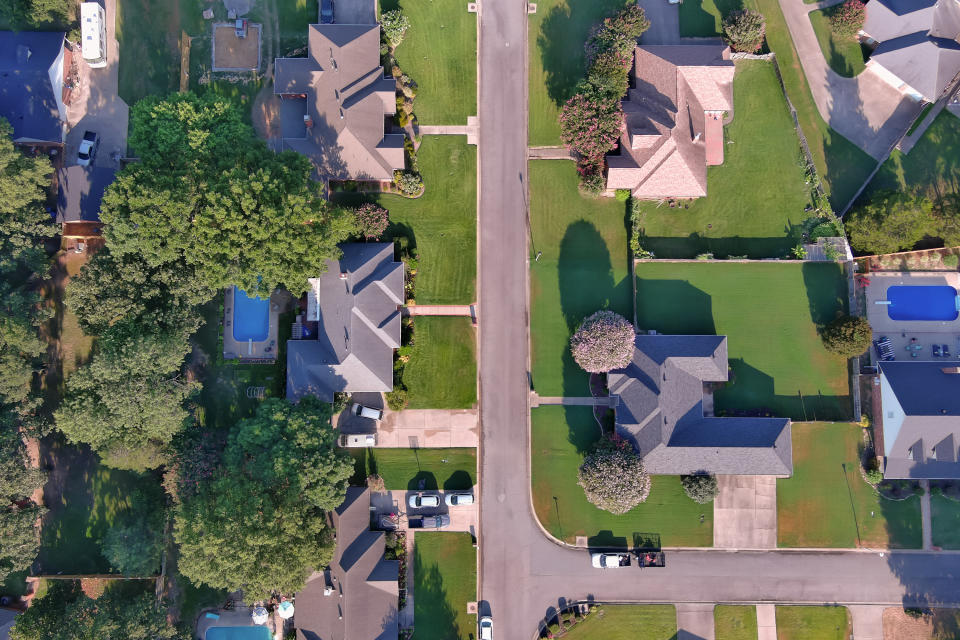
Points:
x=266 y=115
x=233 y=53
x=939 y=624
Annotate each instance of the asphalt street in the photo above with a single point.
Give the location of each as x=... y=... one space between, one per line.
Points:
x=523 y=573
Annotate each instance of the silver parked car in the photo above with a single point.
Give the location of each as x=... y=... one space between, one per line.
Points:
x=458 y=499
x=422 y=500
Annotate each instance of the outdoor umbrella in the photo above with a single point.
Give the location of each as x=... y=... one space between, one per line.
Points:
x=260 y=615
x=285 y=609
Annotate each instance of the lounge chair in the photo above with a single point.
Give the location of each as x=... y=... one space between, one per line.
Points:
x=946 y=350
x=936 y=350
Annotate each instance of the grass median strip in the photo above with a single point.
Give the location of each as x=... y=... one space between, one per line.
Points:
x=813 y=623
x=735 y=622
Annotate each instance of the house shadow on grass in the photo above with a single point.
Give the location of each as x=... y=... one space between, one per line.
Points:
x=433 y=615
x=459 y=480
x=674 y=307
x=750 y=392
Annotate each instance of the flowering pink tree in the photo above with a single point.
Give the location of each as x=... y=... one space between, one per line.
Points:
x=612 y=476
x=602 y=342
x=371 y=220
x=847 y=19
x=590 y=124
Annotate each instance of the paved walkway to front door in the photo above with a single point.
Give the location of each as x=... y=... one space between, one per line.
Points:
x=745 y=512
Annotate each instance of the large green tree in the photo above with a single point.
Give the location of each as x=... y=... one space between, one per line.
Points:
x=127 y=402
x=279 y=473
x=19 y=538
x=18 y=480
x=122 y=612
x=209 y=193
x=890 y=222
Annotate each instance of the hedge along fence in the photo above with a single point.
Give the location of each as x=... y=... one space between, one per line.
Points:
x=945 y=259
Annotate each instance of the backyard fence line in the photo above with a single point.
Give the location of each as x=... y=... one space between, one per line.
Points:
x=735 y=260
x=91 y=576
x=907 y=253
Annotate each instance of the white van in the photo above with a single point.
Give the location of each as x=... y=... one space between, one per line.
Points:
x=358 y=440
x=93 y=31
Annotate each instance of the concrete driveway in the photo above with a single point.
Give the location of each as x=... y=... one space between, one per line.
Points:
x=97 y=105
x=354 y=12
x=745 y=512
x=462 y=518
x=664 y=22
x=412 y=428
x=865 y=109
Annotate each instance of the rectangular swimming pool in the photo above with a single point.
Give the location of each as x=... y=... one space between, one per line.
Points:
x=251 y=317
x=917 y=302
x=238 y=633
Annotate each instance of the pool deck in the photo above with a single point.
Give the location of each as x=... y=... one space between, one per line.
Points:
x=903 y=333
x=239 y=617
x=280 y=301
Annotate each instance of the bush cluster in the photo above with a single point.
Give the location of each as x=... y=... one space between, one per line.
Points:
x=744 y=30
x=591 y=120
x=602 y=342
x=700 y=487
x=371 y=220
x=892 y=221
x=847 y=336
x=847 y=19
x=410 y=183
x=613 y=477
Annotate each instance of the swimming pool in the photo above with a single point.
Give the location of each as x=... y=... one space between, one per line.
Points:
x=251 y=317
x=915 y=302
x=238 y=633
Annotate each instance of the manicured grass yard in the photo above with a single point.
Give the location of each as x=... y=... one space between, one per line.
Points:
x=815 y=508
x=945 y=516
x=813 y=623
x=735 y=623
x=442 y=224
x=442 y=372
x=583 y=268
x=439 y=52
x=844 y=55
x=704 y=19
x=85 y=498
x=757 y=197
x=560 y=438
x=448 y=469
x=770 y=312
x=445 y=580
x=627 y=622
x=557 y=32
x=932 y=167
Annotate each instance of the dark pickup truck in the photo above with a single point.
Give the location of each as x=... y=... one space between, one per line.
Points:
x=429 y=522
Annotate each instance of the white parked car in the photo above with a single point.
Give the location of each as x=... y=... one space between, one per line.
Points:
x=610 y=560
x=88 y=148
x=458 y=499
x=486 y=628
x=424 y=500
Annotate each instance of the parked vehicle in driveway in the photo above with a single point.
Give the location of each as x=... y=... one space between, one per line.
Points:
x=241 y=27
x=429 y=522
x=93 y=34
x=366 y=412
x=422 y=500
x=486 y=628
x=458 y=499
x=326 y=11
x=88 y=148
x=358 y=440
x=610 y=560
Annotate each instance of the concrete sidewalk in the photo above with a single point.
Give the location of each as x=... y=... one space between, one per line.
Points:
x=766 y=622
x=867 y=621
x=695 y=622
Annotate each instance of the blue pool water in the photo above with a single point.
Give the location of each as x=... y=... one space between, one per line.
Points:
x=251 y=317
x=922 y=303
x=238 y=633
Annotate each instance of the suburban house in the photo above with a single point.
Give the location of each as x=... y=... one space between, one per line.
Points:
x=336 y=104
x=917 y=50
x=357 y=597
x=351 y=326
x=79 y=193
x=681 y=96
x=664 y=408
x=33 y=97
x=917 y=428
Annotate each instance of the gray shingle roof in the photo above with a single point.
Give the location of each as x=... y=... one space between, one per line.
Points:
x=28 y=97
x=921 y=419
x=347 y=98
x=368 y=582
x=660 y=409
x=80 y=191
x=356 y=303
x=918 y=41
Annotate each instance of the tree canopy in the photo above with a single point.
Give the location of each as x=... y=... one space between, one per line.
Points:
x=847 y=336
x=207 y=193
x=891 y=221
x=602 y=342
x=612 y=476
x=279 y=473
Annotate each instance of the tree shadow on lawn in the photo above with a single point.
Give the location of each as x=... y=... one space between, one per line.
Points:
x=458 y=481
x=432 y=612
x=674 y=307
x=694 y=244
x=826 y=291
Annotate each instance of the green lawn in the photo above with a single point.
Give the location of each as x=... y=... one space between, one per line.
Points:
x=560 y=438
x=149 y=38
x=439 y=52
x=844 y=55
x=85 y=498
x=557 y=32
x=704 y=18
x=932 y=166
x=445 y=580
x=442 y=371
x=735 y=623
x=442 y=224
x=583 y=267
x=401 y=469
x=627 y=622
x=841 y=164
x=757 y=198
x=770 y=312
x=945 y=516
x=813 y=623
x=827 y=503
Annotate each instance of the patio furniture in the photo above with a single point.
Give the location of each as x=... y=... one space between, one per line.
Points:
x=213 y=616
x=946 y=350
x=936 y=350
